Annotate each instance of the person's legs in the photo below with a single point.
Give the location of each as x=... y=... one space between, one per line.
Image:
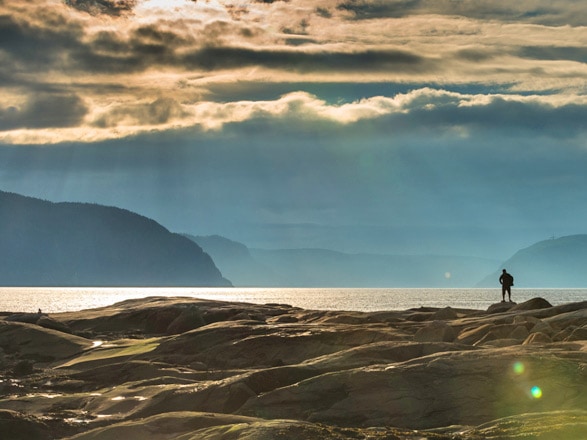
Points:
x=509 y=289
x=503 y=289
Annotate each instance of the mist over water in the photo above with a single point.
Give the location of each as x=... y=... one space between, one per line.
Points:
x=56 y=299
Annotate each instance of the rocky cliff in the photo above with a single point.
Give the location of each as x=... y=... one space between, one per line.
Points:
x=76 y=244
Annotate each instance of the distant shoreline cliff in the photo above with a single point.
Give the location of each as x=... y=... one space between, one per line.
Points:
x=79 y=244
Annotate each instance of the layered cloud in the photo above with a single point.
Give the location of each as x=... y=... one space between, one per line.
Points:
x=350 y=124
x=90 y=70
x=56 y=118
x=111 y=7
x=530 y=11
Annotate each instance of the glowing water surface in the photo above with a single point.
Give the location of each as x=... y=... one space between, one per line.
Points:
x=62 y=299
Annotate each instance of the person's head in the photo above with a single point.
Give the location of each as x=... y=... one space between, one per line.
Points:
x=504 y=271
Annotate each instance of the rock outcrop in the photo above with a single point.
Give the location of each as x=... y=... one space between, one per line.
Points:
x=162 y=368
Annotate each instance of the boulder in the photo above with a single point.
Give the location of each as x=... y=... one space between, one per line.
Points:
x=446 y=313
x=191 y=318
x=500 y=307
x=40 y=344
x=29 y=318
x=520 y=332
x=526 y=320
x=500 y=331
x=285 y=319
x=561 y=321
x=436 y=331
x=470 y=335
x=532 y=304
x=48 y=322
x=543 y=327
x=158 y=321
x=499 y=343
x=537 y=338
x=564 y=334
x=579 y=334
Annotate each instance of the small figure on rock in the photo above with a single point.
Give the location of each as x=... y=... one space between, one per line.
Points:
x=507 y=281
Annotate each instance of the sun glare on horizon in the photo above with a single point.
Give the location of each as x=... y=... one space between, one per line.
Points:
x=164 y=4
x=178 y=9
x=147 y=7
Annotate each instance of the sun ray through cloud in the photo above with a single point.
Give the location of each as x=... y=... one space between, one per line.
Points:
x=378 y=82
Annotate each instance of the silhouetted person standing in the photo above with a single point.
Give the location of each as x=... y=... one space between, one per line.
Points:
x=507 y=281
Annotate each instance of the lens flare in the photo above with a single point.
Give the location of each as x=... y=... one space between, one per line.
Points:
x=518 y=367
x=536 y=392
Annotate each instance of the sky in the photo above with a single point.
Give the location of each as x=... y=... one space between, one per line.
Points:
x=400 y=127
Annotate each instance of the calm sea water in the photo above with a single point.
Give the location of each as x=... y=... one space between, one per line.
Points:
x=63 y=299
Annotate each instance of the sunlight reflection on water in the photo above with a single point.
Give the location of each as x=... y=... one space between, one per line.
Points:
x=56 y=299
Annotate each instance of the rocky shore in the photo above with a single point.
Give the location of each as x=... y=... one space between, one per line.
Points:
x=181 y=368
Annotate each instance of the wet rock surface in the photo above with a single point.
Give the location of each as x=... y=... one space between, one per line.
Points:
x=185 y=368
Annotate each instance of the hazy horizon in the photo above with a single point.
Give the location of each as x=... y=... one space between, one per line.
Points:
x=428 y=127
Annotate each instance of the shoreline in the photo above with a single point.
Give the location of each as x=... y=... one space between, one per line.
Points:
x=58 y=300
x=176 y=366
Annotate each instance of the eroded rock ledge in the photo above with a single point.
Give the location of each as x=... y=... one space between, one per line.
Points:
x=185 y=368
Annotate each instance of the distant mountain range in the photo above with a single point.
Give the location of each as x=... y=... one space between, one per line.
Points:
x=560 y=262
x=77 y=244
x=326 y=268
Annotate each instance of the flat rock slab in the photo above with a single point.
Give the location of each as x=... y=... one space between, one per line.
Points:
x=185 y=368
x=38 y=343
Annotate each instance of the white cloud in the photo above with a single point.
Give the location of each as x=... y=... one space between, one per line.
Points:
x=145 y=65
x=124 y=120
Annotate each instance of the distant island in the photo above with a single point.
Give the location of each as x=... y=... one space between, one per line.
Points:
x=79 y=244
